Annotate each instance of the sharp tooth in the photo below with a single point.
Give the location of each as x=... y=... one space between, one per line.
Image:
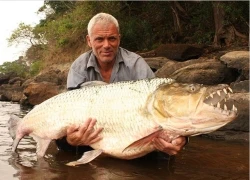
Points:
x=234 y=108
x=229 y=95
x=225 y=91
x=218 y=92
x=230 y=89
x=211 y=95
x=218 y=105
x=225 y=107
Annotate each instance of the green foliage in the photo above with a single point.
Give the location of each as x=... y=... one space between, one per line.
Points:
x=60 y=7
x=14 y=68
x=21 y=69
x=62 y=31
x=136 y=34
x=237 y=16
x=22 y=34
x=35 y=68
x=143 y=24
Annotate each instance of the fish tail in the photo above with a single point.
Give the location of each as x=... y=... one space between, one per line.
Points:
x=12 y=125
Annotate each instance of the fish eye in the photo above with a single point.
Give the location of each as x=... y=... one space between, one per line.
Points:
x=192 y=88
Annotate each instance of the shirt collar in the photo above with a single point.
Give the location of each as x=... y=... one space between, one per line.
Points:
x=91 y=61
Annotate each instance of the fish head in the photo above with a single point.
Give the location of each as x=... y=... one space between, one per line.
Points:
x=192 y=109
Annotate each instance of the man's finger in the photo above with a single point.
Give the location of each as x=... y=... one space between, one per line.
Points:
x=98 y=138
x=72 y=129
x=88 y=126
x=95 y=133
x=180 y=141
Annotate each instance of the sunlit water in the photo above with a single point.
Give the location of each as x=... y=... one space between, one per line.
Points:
x=202 y=159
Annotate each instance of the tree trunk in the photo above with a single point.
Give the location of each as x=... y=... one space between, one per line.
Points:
x=175 y=6
x=225 y=35
x=218 y=21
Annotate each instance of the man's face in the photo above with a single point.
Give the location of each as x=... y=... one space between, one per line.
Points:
x=104 y=41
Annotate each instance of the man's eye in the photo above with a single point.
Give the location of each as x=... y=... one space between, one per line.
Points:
x=99 y=39
x=112 y=38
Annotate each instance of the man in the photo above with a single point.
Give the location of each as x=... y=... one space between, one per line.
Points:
x=109 y=63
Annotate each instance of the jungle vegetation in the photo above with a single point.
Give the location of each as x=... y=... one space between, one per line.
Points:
x=144 y=25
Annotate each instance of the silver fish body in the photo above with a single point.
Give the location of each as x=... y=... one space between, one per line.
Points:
x=132 y=113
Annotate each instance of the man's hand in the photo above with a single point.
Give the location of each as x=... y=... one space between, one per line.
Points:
x=83 y=135
x=171 y=148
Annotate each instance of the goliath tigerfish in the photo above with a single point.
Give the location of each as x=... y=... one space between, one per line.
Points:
x=132 y=114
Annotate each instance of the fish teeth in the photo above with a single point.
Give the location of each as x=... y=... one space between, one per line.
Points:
x=225 y=107
x=211 y=95
x=230 y=89
x=225 y=91
x=218 y=105
x=234 y=108
x=218 y=92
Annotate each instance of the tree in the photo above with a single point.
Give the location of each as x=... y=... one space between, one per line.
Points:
x=22 y=34
x=225 y=32
x=15 y=67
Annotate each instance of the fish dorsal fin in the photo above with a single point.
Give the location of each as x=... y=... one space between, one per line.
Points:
x=86 y=158
x=92 y=83
x=143 y=141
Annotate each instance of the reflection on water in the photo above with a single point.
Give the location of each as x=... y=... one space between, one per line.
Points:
x=202 y=159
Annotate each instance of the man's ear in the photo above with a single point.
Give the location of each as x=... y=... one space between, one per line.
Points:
x=119 y=39
x=88 y=40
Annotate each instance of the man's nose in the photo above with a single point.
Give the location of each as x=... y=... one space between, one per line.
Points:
x=106 y=43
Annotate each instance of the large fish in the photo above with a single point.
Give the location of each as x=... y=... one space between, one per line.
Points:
x=132 y=113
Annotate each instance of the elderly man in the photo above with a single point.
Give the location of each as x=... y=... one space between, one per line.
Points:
x=109 y=63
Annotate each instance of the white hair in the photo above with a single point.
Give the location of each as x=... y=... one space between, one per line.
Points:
x=103 y=18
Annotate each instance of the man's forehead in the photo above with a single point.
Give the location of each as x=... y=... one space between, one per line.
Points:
x=103 y=32
x=104 y=27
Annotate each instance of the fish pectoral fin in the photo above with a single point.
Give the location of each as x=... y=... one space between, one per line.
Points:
x=143 y=141
x=86 y=157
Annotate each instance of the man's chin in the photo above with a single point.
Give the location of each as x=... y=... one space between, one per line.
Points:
x=107 y=60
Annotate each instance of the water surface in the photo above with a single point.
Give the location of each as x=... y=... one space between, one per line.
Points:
x=202 y=159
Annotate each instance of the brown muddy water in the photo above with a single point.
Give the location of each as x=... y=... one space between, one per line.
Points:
x=202 y=159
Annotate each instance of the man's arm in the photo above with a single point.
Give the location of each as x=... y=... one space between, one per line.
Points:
x=142 y=70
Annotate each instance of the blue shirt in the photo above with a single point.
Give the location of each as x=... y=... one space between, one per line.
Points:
x=128 y=66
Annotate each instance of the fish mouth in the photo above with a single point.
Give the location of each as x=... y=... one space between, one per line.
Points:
x=220 y=100
x=216 y=110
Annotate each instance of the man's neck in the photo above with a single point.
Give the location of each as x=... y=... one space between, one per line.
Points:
x=106 y=66
x=106 y=70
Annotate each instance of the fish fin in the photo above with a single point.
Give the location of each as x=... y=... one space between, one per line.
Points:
x=143 y=141
x=12 y=125
x=86 y=158
x=15 y=144
x=42 y=145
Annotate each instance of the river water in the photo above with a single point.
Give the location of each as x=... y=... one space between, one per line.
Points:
x=202 y=159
